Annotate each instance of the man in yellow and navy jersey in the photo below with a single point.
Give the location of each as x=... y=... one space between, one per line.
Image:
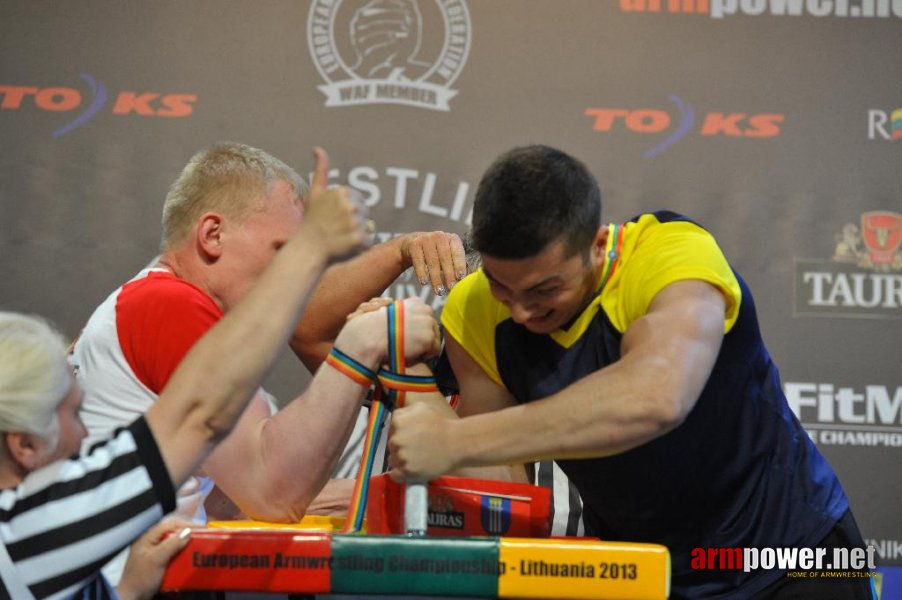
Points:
x=631 y=354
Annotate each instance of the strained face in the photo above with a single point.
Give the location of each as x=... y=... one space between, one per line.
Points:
x=545 y=291
x=251 y=245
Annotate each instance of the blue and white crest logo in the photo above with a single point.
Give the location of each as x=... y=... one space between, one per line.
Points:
x=389 y=51
x=495 y=515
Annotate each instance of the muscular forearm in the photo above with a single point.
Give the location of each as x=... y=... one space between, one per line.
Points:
x=340 y=290
x=436 y=257
x=279 y=463
x=581 y=421
x=302 y=444
x=666 y=359
x=437 y=401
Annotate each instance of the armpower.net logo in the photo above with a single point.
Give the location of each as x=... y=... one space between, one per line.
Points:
x=722 y=9
x=799 y=562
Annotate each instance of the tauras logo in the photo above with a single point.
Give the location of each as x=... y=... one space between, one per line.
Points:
x=389 y=51
x=864 y=279
x=442 y=513
x=453 y=520
x=848 y=416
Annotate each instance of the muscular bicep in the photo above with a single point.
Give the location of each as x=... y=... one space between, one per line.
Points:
x=478 y=392
x=185 y=440
x=678 y=340
x=235 y=465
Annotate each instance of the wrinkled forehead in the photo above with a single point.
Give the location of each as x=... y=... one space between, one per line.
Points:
x=297 y=196
x=551 y=263
x=277 y=194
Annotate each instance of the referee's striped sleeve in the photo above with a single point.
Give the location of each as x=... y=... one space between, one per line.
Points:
x=153 y=462
x=63 y=522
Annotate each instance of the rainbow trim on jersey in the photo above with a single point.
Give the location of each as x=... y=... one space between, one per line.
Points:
x=612 y=252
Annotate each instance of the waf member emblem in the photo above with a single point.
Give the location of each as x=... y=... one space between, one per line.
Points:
x=875 y=244
x=389 y=51
x=495 y=514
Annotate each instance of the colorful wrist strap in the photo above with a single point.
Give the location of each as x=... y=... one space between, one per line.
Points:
x=346 y=365
x=388 y=380
x=390 y=387
x=407 y=383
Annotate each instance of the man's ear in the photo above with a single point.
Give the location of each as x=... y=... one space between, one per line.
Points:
x=209 y=235
x=599 y=244
x=25 y=449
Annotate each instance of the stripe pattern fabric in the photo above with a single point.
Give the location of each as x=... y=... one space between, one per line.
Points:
x=64 y=521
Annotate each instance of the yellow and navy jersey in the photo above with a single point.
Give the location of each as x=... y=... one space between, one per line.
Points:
x=738 y=472
x=646 y=258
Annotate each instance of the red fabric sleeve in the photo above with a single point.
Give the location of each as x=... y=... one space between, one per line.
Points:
x=158 y=319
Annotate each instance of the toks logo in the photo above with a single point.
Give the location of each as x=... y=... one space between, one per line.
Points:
x=67 y=99
x=389 y=51
x=657 y=121
x=864 y=279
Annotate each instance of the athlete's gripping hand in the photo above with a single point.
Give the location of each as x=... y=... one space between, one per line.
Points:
x=336 y=215
x=437 y=257
x=371 y=305
x=418 y=444
x=422 y=339
x=366 y=332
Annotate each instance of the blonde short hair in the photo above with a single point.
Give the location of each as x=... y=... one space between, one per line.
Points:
x=230 y=178
x=34 y=375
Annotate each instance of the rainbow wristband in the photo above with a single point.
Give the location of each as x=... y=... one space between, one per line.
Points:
x=349 y=367
x=406 y=383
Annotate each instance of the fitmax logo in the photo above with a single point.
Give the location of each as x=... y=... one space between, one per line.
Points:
x=67 y=99
x=657 y=121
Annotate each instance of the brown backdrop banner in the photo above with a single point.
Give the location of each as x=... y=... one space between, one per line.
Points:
x=775 y=123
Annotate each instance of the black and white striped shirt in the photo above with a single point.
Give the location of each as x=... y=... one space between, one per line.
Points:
x=566 y=503
x=63 y=522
